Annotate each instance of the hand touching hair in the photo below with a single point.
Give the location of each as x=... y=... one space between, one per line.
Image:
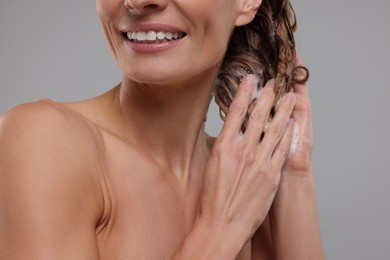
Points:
x=265 y=47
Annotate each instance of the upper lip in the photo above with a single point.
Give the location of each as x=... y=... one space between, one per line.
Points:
x=156 y=27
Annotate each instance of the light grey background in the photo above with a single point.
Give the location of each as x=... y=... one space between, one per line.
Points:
x=55 y=49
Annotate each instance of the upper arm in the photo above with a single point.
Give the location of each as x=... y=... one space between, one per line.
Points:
x=49 y=194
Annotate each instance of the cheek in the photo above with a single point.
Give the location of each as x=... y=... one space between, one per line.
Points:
x=108 y=12
x=219 y=18
x=216 y=22
x=107 y=9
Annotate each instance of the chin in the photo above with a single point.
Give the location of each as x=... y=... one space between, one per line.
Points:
x=161 y=76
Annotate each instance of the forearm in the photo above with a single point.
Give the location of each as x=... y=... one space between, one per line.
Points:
x=205 y=242
x=294 y=220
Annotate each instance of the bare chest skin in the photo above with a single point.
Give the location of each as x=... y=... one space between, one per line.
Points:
x=148 y=212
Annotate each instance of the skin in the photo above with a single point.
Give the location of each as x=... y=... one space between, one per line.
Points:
x=132 y=174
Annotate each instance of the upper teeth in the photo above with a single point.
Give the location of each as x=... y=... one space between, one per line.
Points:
x=152 y=35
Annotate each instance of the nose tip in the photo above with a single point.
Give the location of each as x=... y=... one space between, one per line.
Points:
x=144 y=6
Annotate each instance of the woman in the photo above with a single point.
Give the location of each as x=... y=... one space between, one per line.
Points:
x=132 y=174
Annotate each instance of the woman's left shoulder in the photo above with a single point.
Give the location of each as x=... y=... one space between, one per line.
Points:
x=46 y=122
x=42 y=116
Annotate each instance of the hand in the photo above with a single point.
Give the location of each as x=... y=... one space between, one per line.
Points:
x=294 y=210
x=242 y=174
x=299 y=161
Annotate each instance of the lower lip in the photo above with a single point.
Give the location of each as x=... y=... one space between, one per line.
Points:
x=152 y=47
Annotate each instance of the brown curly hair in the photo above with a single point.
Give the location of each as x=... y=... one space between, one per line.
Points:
x=264 y=47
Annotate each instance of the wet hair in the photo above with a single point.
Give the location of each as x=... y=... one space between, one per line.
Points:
x=264 y=47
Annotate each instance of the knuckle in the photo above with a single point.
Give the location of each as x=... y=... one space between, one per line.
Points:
x=258 y=116
x=263 y=169
x=271 y=177
x=220 y=146
x=217 y=151
x=291 y=100
x=236 y=109
x=273 y=180
x=275 y=132
x=247 y=155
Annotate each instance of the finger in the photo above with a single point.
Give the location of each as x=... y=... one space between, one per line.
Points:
x=239 y=107
x=303 y=100
x=302 y=88
x=278 y=125
x=260 y=114
x=301 y=91
x=278 y=103
x=298 y=58
x=283 y=149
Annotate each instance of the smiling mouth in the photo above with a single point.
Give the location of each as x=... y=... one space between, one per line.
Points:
x=150 y=37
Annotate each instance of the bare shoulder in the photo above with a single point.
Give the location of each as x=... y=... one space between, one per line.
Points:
x=43 y=135
x=47 y=125
x=49 y=170
x=42 y=117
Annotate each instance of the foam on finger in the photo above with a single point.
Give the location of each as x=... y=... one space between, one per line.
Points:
x=295 y=141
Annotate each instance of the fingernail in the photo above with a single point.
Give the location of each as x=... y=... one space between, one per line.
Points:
x=290 y=96
x=271 y=83
x=250 y=78
x=256 y=93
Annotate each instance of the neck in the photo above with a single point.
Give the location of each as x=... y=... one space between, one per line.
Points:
x=168 y=121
